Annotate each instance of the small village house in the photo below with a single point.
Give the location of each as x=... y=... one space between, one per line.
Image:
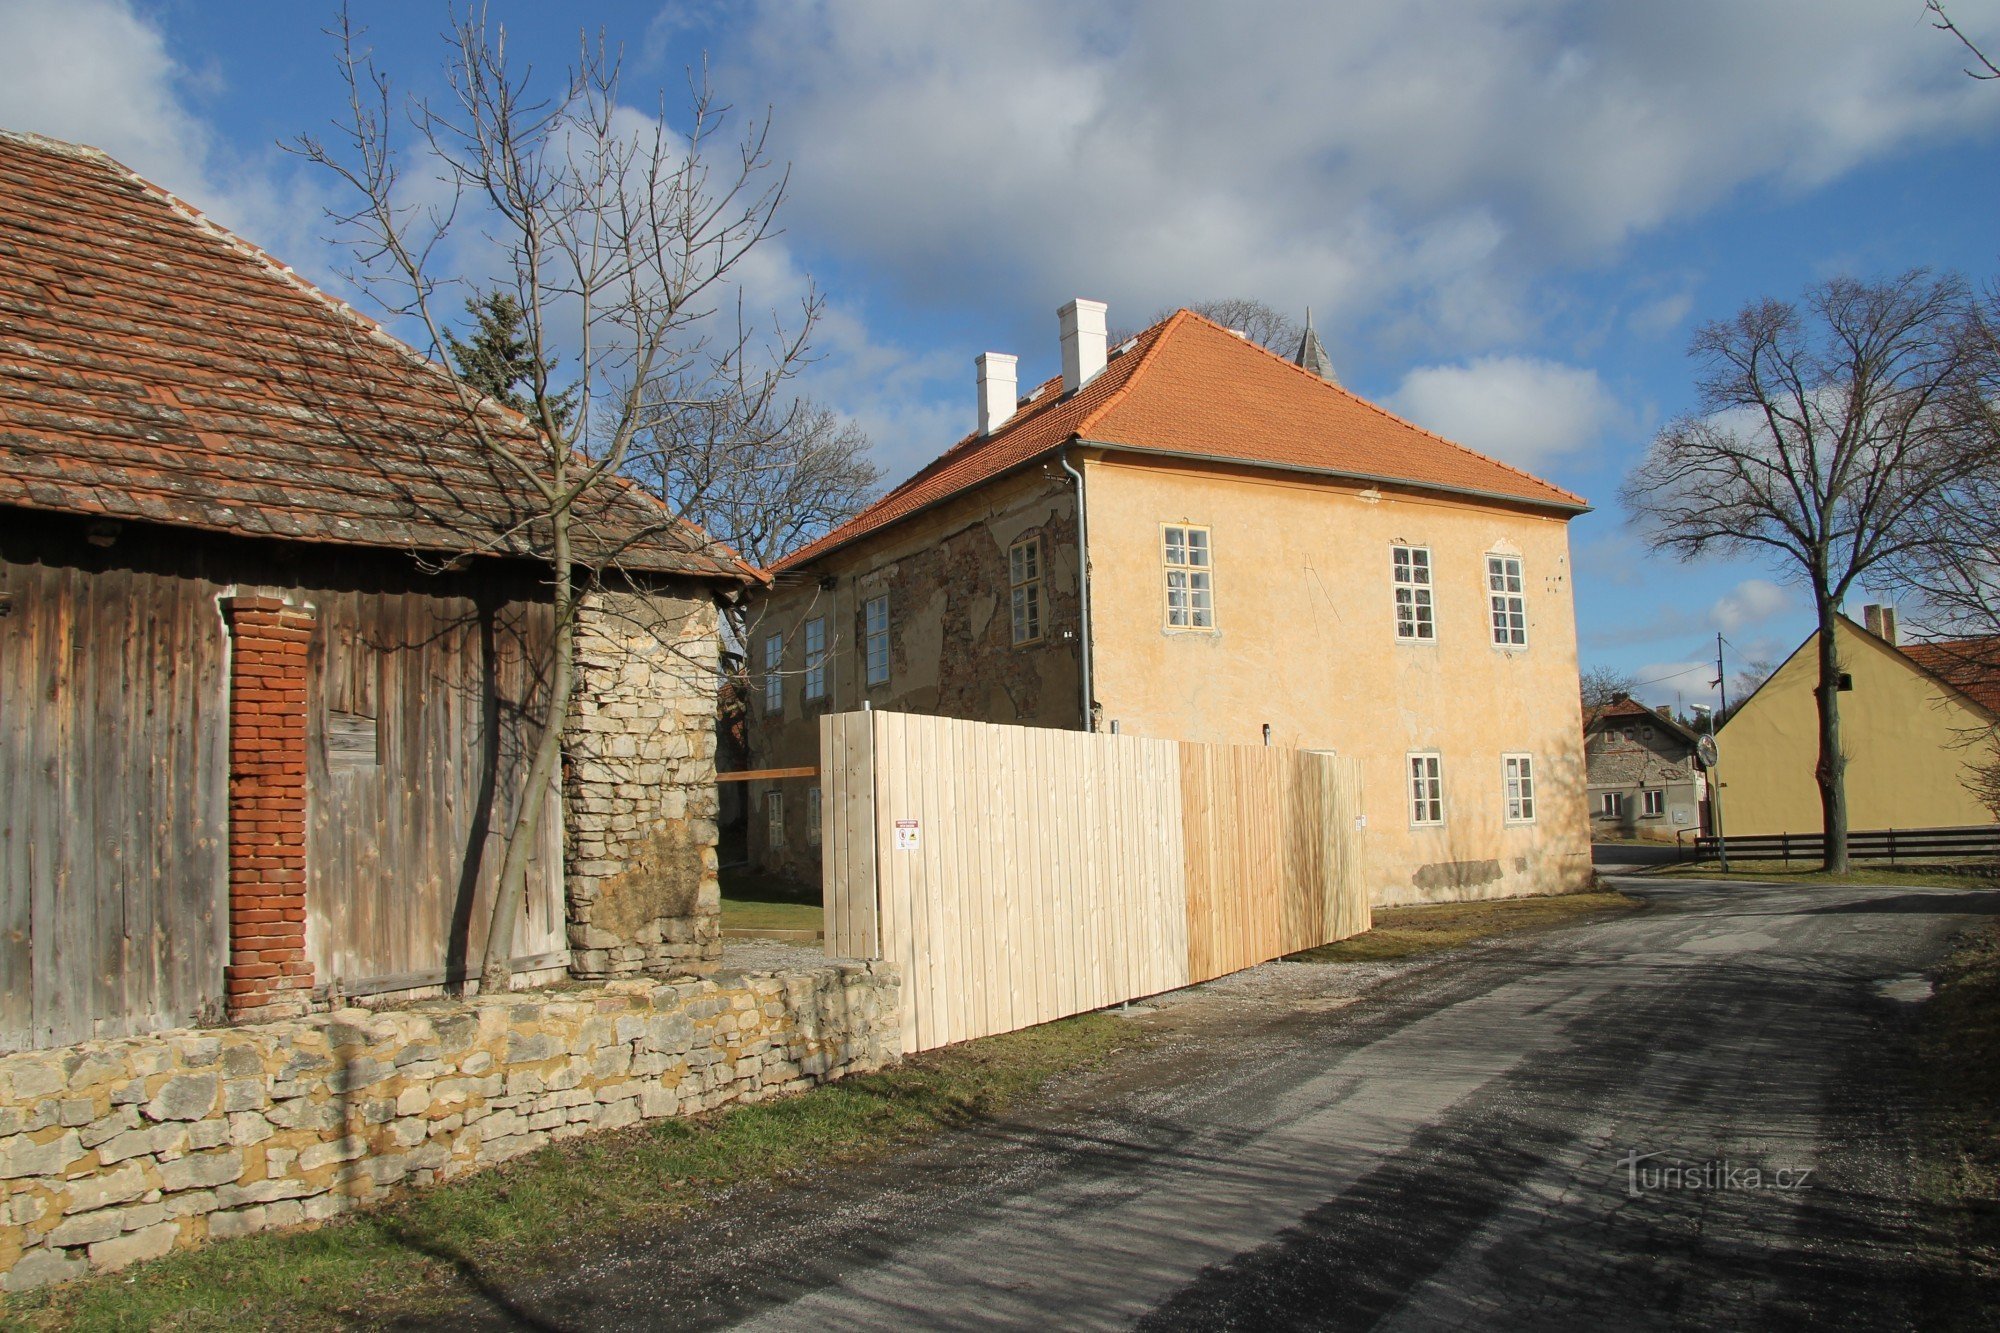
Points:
x=1915 y=720
x=273 y=649
x=1186 y=536
x=1645 y=780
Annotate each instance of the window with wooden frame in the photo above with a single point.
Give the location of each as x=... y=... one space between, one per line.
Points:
x=875 y=643
x=774 y=676
x=812 y=816
x=1518 y=786
x=816 y=658
x=1410 y=567
x=1653 y=804
x=1508 y=599
x=1190 y=577
x=1426 y=788
x=774 y=819
x=1024 y=580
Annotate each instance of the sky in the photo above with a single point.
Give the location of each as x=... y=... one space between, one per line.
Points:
x=1507 y=216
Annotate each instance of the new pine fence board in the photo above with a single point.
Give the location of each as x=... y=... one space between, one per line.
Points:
x=1059 y=872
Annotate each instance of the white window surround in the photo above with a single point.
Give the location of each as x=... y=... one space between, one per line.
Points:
x=876 y=623
x=1425 y=770
x=1611 y=804
x=1024 y=589
x=816 y=658
x=1188 y=557
x=1653 y=803
x=774 y=817
x=1507 y=600
x=1517 y=787
x=1410 y=574
x=774 y=676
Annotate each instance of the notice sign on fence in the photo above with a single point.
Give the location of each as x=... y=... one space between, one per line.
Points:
x=908 y=835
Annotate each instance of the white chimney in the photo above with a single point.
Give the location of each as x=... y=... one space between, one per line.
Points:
x=999 y=386
x=1082 y=324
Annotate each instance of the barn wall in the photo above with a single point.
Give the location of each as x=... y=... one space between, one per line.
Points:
x=113 y=782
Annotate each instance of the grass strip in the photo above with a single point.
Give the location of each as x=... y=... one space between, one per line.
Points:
x=1410 y=932
x=1778 y=872
x=427 y=1253
x=747 y=914
x=1959 y=1038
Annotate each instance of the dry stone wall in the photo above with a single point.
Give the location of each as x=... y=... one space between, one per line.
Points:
x=639 y=787
x=117 y=1151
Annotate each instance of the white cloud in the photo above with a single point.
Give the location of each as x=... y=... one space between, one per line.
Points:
x=1519 y=409
x=1690 y=681
x=1749 y=604
x=1416 y=165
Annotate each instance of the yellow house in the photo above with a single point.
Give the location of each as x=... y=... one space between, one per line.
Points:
x=1189 y=537
x=1913 y=720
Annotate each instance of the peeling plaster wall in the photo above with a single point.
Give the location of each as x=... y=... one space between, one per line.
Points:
x=1305 y=641
x=951 y=652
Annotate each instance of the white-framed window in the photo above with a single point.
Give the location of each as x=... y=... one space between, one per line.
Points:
x=1426 y=788
x=774 y=819
x=774 y=676
x=1653 y=804
x=1411 y=568
x=877 y=641
x=1190 y=585
x=1611 y=804
x=812 y=816
x=816 y=658
x=1518 y=786
x=1024 y=582
x=1506 y=595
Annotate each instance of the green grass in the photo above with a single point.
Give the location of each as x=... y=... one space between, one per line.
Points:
x=426 y=1254
x=1410 y=932
x=757 y=900
x=1798 y=872
x=1960 y=1042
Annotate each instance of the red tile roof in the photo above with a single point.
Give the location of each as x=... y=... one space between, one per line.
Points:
x=155 y=367
x=1619 y=708
x=1970 y=666
x=1189 y=387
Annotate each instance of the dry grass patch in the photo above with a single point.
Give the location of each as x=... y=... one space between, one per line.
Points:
x=428 y=1254
x=1801 y=872
x=1407 y=932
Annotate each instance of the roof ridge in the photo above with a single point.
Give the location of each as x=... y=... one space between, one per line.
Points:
x=1166 y=329
x=1383 y=411
x=368 y=326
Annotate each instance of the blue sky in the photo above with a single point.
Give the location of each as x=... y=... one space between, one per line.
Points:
x=1508 y=216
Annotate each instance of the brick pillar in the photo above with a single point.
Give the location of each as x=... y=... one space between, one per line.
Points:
x=268 y=975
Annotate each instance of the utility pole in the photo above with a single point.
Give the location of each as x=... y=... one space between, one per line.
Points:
x=1715 y=789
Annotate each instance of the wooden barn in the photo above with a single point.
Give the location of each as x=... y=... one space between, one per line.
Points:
x=273 y=649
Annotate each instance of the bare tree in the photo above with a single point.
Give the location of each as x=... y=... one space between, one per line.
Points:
x=1605 y=685
x=617 y=241
x=1824 y=427
x=1983 y=66
x=1258 y=321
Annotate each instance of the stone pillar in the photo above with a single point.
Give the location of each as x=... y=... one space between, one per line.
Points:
x=268 y=975
x=639 y=788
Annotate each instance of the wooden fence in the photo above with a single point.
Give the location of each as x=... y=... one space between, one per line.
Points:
x=1977 y=843
x=1019 y=874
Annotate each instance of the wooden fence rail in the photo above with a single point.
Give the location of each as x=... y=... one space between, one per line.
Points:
x=1890 y=845
x=1019 y=874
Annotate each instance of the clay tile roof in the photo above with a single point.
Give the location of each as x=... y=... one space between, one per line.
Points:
x=1191 y=388
x=155 y=367
x=1970 y=666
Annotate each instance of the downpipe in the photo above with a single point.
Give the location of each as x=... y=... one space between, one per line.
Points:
x=1083 y=592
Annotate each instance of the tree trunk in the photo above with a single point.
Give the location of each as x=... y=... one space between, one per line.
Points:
x=1831 y=771
x=496 y=968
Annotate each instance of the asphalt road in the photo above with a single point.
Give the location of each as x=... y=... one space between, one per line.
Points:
x=1457 y=1148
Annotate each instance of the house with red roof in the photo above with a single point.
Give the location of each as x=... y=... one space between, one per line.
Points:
x=1645 y=778
x=1187 y=536
x=1919 y=727
x=274 y=648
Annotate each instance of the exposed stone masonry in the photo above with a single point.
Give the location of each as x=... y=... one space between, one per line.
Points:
x=117 y=1151
x=639 y=784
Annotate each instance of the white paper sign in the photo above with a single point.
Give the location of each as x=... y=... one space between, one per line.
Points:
x=908 y=834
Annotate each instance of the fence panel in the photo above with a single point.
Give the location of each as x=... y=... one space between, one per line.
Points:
x=1019 y=874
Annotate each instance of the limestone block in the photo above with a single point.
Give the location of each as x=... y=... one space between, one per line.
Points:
x=147 y=1243
x=128 y=1182
x=339 y=1150
x=247 y=1128
x=21 y=1155
x=184 y=1097
x=41 y=1266
x=121 y=1119
x=201 y=1170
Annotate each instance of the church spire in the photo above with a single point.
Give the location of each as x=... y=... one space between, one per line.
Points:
x=1312 y=353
